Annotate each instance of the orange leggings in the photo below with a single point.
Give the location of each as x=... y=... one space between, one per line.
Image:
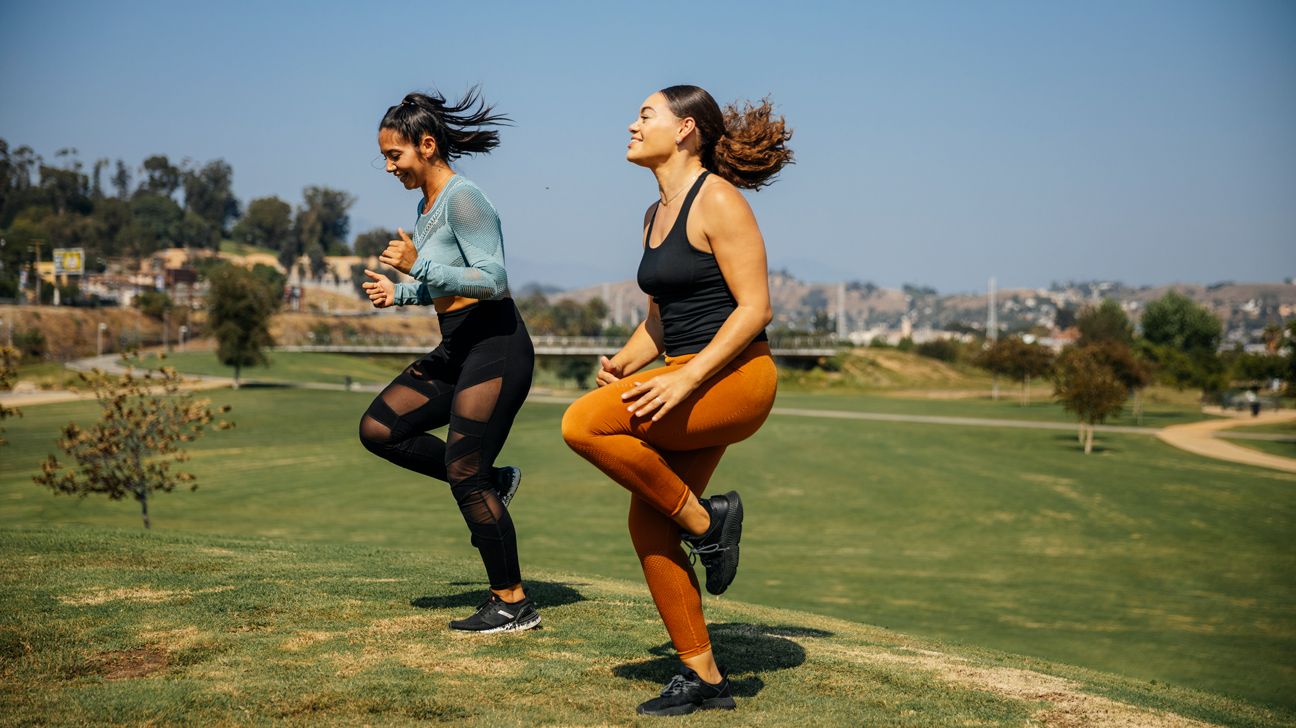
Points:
x=660 y=462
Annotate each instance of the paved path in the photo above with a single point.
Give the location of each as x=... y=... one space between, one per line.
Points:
x=1200 y=438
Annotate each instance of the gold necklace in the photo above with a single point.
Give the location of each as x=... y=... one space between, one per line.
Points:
x=667 y=200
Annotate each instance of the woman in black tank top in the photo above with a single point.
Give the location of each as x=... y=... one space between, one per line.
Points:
x=661 y=433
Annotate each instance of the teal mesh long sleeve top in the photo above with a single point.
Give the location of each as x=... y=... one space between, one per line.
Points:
x=460 y=248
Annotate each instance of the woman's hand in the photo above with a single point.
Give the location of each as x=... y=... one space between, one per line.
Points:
x=608 y=372
x=380 y=290
x=400 y=254
x=661 y=394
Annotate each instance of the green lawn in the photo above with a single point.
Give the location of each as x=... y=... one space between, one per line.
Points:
x=166 y=628
x=1286 y=449
x=334 y=368
x=1008 y=407
x=287 y=366
x=1137 y=559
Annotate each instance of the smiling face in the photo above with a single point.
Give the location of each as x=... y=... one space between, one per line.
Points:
x=410 y=164
x=656 y=133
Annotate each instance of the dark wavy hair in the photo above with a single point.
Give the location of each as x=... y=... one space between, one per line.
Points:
x=746 y=146
x=457 y=129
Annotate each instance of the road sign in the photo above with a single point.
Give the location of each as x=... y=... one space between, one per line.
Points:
x=69 y=261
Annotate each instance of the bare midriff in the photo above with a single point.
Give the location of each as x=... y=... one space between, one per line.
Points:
x=446 y=304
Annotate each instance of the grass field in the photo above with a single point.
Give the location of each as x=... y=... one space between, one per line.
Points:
x=1166 y=407
x=1137 y=559
x=163 y=628
x=1273 y=447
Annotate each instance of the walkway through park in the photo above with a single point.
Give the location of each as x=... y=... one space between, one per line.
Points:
x=1200 y=438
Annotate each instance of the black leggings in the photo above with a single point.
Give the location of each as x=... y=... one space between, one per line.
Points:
x=475 y=381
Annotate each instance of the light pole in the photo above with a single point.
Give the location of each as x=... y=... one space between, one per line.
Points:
x=99 y=337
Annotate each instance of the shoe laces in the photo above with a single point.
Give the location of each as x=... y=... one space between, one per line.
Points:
x=706 y=553
x=677 y=685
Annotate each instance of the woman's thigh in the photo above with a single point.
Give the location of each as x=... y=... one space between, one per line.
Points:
x=727 y=408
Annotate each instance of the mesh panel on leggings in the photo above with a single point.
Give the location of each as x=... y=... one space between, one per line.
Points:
x=400 y=401
x=470 y=412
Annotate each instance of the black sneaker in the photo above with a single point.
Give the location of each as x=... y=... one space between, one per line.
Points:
x=507 y=480
x=497 y=615
x=686 y=693
x=718 y=547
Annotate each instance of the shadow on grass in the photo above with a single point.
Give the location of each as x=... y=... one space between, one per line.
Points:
x=543 y=593
x=747 y=651
x=1069 y=442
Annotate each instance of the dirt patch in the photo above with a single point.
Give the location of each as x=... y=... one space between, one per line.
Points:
x=130 y=664
x=1067 y=706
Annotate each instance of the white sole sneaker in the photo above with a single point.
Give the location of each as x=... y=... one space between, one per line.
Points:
x=511 y=477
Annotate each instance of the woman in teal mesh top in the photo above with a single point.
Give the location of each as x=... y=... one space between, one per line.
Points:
x=477 y=378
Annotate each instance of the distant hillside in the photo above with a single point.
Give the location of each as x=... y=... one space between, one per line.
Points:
x=870 y=307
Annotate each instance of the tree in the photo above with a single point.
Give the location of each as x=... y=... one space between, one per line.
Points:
x=155 y=222
x=373 y=242
x=1132 y=371
x=322 y=224
x=1256 y=370
x=1183 y=339
x=1013 y=357
x=121 y=180
x=130 y=450
x=208 y=194
x=160 y=176
x=66 y=189
x=239 y=306
x=1088 y=387
x=9 y=358
x=266 y=224
x=1176 y=321
x=154 y=304
x=1104 y=322
x=1028 y=361
x=195 y=232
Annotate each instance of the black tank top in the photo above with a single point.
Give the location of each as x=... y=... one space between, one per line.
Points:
x=691 y=293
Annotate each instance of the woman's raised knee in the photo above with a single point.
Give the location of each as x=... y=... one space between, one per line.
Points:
x=374 y=435
x=576 y=429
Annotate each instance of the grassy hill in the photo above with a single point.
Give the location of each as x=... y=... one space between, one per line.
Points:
x=1138 y=559
x=112 y=627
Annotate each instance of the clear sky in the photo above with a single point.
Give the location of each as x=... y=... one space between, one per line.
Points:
x=937 y=142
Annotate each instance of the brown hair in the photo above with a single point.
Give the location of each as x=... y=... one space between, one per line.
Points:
x=745 y=146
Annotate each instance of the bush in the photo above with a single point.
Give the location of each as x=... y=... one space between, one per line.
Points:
x=946 y=350
x=153 y=304
x=30 y=343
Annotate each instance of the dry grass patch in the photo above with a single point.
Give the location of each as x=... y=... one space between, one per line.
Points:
x=137 y=594
x=305 y=639
x=1068 y=706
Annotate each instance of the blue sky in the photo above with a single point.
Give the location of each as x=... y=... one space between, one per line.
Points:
x=941 y=143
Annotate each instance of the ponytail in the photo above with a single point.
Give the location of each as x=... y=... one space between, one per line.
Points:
x=746 y=146
x=457 y=129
